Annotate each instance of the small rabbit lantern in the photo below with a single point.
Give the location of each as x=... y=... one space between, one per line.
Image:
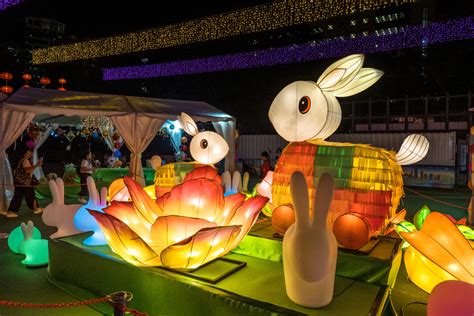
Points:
x=206 y=147
x=26 y=240
x=309 y=246
x=86 y=222
x=236 y=183
x=59 y=214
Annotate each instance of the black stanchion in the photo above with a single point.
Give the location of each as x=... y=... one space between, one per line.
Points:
x=119 y=300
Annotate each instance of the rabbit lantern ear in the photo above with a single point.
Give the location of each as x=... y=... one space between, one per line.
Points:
x=187 y=123
x=346 y=77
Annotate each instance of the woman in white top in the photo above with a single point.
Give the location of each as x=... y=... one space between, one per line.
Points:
x=87 y=169
x=25 y=188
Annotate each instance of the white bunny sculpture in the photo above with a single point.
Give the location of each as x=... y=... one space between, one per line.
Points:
x=206 y=147
x=85 y=222
x=235 y=184
x=309 y=246
x=59 y=214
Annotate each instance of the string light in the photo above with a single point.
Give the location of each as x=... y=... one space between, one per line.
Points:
x=411 y=36
x=97 y=122
x=261 y=18
x=5 y=4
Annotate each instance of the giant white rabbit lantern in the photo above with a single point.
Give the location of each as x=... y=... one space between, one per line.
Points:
x=368 y=180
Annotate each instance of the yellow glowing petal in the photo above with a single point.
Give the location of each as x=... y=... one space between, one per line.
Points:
x=423 y=272
x=125 y=242
x=246 y=216
x=199 y=249
x=441 y=242
x=126 y=213
x=118 y=191
x=168 y=230
x=142 y=202
x=231 y=204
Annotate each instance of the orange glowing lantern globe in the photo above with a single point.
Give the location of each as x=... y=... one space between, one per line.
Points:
x=282 y=218
x=352 y=230
x=183 y=229
x=439 y=252
x=45 y=81
x=26 y=77
x=6 y=76
x=6 y=89
x=62 y=80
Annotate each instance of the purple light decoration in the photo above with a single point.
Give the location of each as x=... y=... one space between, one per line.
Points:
x=5 y=4
x=411 y=36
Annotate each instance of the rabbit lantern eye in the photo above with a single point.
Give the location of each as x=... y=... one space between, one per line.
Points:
x=208 y=147
x=304 y=105
x=294 y=115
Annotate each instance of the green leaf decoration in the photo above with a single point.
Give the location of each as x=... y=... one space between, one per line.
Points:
x=420 y=216
x=468 y=232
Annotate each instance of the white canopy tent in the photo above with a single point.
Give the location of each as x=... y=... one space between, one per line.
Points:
x=137 y=119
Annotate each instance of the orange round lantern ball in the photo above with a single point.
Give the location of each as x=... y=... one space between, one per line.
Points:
x=61 y=89
x=6 y=89
x=282 y=218
x=6 y=76
x=62 y=80
x=45 y=81
x=351 y=231
x=26 y=77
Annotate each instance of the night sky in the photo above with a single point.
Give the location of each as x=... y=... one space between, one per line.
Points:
x=245 y=94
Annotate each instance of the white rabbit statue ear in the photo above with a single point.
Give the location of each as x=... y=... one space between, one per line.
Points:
x=245 y=181
x=300 y=198
x=103 y=196
x=363 y=80
x=53 y=188
x=340 y=73
x=227 y=181
x=60 y=186
x=322 y=201
x=236 y=181
x=187 y=123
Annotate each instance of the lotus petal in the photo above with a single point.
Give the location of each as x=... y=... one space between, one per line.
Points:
x=231 y=204
x=126 y=213
x=205 y=172
x=168 y=230
x=206 y=245
x=125 y=242
x=246 y=216
x=198 y=198
x=441 y=242
x=142 y=201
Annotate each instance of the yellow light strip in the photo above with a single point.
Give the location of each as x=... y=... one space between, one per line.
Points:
x=261 y=18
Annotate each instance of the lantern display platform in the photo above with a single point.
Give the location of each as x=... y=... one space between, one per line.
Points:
x=377 y=262
x=257 y=288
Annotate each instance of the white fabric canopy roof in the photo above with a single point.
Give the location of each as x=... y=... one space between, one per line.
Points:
x=137 y=119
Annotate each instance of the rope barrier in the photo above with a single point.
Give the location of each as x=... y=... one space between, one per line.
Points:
x=436 y=200
x=55 y=305
x=117 y=299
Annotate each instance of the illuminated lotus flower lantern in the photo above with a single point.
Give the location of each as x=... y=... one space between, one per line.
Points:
x=185 y=228
x=438 y=252
x=368 y=180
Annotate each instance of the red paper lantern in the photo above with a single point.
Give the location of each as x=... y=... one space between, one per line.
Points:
x=62 y=80
x=61 y=89
x=26 y=77
x=6 y=89
x=117 y=145
x=282 y=218
x=45 y=81
x=6 y=76
x=352 y=230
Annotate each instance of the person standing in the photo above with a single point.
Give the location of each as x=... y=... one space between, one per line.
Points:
x=87 y=168
x=266 y=165
x=25 y=183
